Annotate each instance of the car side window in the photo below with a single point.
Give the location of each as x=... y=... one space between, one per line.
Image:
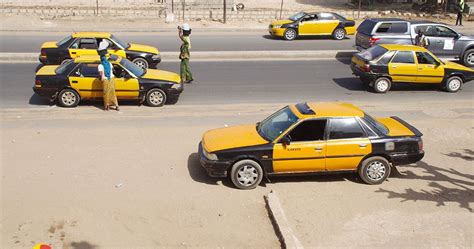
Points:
x=88 y=43
x=428 y=30
x=442 y=31
x=308 y=18
x=395 y=27
x=325 y=16
x=425 y=58
x=311 y=130
x=404 y=57
x=90 y=70
x=343 y=128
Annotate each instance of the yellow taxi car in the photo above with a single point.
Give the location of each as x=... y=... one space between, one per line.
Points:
x=311 y=138
x=78 y=80
x=86 y=43
x=310 y=24
x=382 y=65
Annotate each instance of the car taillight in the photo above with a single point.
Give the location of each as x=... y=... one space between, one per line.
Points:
x=43 y=52
x=38 y=83
x=366 y=68
x=372 y=41
x=420 y=145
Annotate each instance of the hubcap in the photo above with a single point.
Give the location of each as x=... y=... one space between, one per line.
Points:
x=454 y=84
x=339 y=34
x=247 y=175
x=290 y=34
x=375 y=171
x=382 y=85
x=156 y=98
x=140 y=64
x=68 y=98
x=470 y=59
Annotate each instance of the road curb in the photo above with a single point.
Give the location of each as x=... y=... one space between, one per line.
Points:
x=282 y=228
x=218 y=55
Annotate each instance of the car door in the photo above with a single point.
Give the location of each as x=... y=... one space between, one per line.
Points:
x=85 y=80
x=402 y=67
x=83 y=46
x=430 y=69
x=306 y=150
x=307 y=25
x=442 y=40
x=326 y=23
x=347 y=144
x=126 y=86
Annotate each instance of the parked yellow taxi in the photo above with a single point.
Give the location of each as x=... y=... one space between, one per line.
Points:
x=310 y=24
x=311 y=138
x=86 y=43
x=383 y=65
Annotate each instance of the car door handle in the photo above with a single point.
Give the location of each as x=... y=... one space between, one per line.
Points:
x=420 y=68
x=394 y=66
x=74 y=81
x=318 y=149
x=362 y=145
x=73 y=52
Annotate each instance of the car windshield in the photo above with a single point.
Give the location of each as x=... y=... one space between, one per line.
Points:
x=64 y=67
x=61 y=42
x=120 y=42
x=297 y=16
x=374 y=123
x=130 y=66
x=276 y=124
x=373 y=52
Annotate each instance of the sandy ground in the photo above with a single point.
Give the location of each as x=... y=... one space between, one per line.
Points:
x=82 y=178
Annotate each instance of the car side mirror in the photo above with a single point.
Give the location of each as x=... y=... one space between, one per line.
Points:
x=127 y=76
x=285 y=141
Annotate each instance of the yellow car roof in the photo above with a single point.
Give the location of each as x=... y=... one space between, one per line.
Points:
x=329 y=109
x=96 y=59
x=404 y=47
x=91 y=35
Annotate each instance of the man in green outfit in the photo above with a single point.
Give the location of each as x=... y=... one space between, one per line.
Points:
x=184 y=32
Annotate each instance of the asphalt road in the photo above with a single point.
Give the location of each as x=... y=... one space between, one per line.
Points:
x=250 y=82
x=169 y=41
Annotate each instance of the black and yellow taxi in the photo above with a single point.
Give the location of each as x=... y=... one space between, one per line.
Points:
x=78 y=79
x=312 y=24
x=86 y=43
x=383 y=65
x=310 y=138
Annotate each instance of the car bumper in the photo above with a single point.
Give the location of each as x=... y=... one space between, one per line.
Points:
x=153 y=60
x=49 y=93
x=364 y=76
x=407 y=158
x=175 y=92
x=350 y=30
x=43 y=59
x=276 y=31
x=213 y=168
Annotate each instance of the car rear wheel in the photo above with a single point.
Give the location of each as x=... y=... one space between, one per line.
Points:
x=68 y=98
x=156 y=97
x=382 y=85
x=468 y=58
x=453 y=84
x=246 y=174
x=140 y=62
x=374 y=170
x=339 y=34
x=290 y=34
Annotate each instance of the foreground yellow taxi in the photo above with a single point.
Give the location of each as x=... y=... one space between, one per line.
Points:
x=311 y=138
x=86 y=43
x=310 y=24
x=382 y=65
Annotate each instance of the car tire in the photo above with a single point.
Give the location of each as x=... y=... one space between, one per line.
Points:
x=141 y=62
x=382 y=85
x=246 y=174
x=339 y=34
x=289 y=34
x=374 y=170
x=453 y=84
x=468 y=58
x=155 y=97
x=68 y=98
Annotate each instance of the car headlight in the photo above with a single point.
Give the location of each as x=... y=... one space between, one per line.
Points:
x=177 y=86
x=156 y=56
x=210 y=156
x=277 y=26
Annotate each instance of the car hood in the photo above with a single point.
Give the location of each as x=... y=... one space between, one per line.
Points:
x=49 y=45
x=456 y=66
x=281 y=22
x=47 y=70
x=395 y=128
x=155 y=74
x=143 y=48
x=232 y=137
x=467 y=38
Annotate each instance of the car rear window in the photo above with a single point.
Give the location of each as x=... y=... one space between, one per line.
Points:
x=63 y=41
x=366 y=27
x=65 y=67
x=395 y=27
x=373 y=52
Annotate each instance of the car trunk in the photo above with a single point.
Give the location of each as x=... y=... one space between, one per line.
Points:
x=398 y=127
x=362 y=40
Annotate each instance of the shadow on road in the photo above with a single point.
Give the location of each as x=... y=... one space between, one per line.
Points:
x=306 y=37
x=198 y=174
x=317 y=177
x=350 y=83
x=82 y=245
x=354 y=84
x=35 y=99
x=462 y=193
x=467 y=155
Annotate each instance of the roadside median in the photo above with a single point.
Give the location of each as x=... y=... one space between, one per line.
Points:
x=218 y=55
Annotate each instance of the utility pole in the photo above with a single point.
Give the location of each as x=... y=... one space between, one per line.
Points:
x=281 y=8
x=358 y=15
x=184 y=6
x=97 y=7
x=225 y=11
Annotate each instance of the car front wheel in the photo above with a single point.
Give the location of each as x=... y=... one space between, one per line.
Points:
x=156 y=97
x=290 y=34
x=68 y=98
x=140 y=62
x=246 y=174
x=382 y=85
x=468 y=58
x=453 y=84
x=374 y=170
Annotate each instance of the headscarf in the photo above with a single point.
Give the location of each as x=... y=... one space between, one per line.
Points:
x=106 y=64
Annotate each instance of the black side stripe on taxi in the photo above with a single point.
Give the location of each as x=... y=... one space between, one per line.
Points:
x=100 y=90
x=318 y=157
